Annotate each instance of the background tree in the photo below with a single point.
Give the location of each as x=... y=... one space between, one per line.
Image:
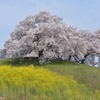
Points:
x=2 y=53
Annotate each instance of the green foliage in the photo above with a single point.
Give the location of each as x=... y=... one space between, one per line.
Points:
x=19 y=62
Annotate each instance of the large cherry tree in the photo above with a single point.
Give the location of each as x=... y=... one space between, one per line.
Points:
x=47 y=37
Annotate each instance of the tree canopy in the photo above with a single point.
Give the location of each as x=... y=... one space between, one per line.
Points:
x=47 y=37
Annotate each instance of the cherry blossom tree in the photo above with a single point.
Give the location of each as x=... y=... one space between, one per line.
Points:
x=43 y=36
x=47 y=37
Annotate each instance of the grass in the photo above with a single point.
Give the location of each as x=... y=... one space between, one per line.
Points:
x=90 y=76
x=59 y=80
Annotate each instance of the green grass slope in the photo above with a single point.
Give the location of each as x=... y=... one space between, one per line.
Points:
x=90 y=76
x=87 y=75
x=58 y=80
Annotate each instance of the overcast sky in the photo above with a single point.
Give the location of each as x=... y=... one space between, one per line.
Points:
x=84 y=14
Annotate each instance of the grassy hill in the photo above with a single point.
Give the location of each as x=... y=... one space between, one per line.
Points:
x=59 y=80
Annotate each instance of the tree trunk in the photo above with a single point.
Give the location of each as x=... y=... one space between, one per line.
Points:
x=83 y=60
x=69 y=58
x=40 y=53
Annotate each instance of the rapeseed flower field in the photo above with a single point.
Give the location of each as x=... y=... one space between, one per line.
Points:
x=38 y=83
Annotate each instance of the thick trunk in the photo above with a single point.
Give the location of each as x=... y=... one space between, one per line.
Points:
x=83 y=60
x=40 y=53
x=69 y=58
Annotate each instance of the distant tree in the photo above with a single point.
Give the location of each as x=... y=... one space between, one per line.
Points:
x=95 y=59
x=2 y=53
x=94 y=52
